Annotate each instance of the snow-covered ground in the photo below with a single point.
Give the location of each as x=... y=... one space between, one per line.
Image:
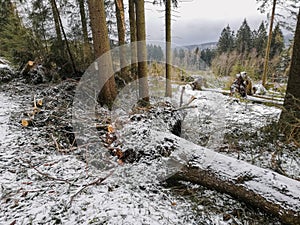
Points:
x=40 y=185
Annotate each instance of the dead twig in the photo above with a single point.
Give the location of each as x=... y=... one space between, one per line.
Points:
x=185 y=107
x=56 y=143
x=96 y=182
x=46 y=174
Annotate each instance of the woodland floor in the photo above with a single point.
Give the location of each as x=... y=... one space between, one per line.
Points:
x=45 y=179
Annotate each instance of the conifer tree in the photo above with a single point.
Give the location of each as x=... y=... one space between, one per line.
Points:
x=226 y=41
x=277 y=42
x=17 y=42
x=120 y=15
x=290 y=116
x=260 y=39
x=101 y=46
x=133 y=38
x=144 y=98
x=244 y=40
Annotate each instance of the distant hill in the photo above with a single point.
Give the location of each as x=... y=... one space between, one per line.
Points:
x=209 y=45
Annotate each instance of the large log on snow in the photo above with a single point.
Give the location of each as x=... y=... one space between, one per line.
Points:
x=261 y=188
x=254 y=98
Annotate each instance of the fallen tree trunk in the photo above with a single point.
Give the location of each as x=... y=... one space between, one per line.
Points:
x=261 y=188
x=254 y=98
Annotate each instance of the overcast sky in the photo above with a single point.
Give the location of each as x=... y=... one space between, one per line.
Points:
x=200 y=21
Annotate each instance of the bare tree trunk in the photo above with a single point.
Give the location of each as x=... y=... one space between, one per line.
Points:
x=56 y=22
x=265 y=73
x=86 y=44
x=102 y=48
x=260 y=188
x=144 y=99
x=168 y=49
x=65 y=36
x=121 y=36
x=290 y=116
x=133 y=46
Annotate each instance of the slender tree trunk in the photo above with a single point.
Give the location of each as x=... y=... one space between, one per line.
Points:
x=56 y=22
x=144 y=99
x=168 y=49
x=65 y=37
x=133 y=46
x=86 y=44
x=267 y=56
x=121 y=36
x=102 y=48
x=290 y=116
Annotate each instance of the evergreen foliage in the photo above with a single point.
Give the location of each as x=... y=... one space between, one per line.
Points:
x=244 y=39
x=277 y=42
x=18 y=43
x=260 y=39
x=155 y=53
x=226 y=40
x=246 y=50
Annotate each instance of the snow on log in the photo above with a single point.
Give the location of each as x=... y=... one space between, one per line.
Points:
x=254 y=98
x=147 y=137
x=261 y=188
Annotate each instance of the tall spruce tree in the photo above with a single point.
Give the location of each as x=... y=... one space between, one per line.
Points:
x=86 y=44
x=120 y=14
x=260 y=40
x=144 y=99
x=277 y=42
x=18 y=44
x=226 y=41
x=244 y=39
x=102 y=46
x=133 y=38
x=168 y=48
x=290 y=116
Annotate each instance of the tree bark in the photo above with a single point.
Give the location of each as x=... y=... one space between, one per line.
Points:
x=144 y=99
x=290 y=116
x=133 y=46
x=102 y=48
x=86 y=44
x=168 y=49
x=261 y=188
x=121 y=37
x=56 y=22
x=65 y=36
x=256 y=187
x=266 y=64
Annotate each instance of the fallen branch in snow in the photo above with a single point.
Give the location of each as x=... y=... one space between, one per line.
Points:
x=56 y=143
x=185 y=107
x=96 y=182
x=45 y=174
